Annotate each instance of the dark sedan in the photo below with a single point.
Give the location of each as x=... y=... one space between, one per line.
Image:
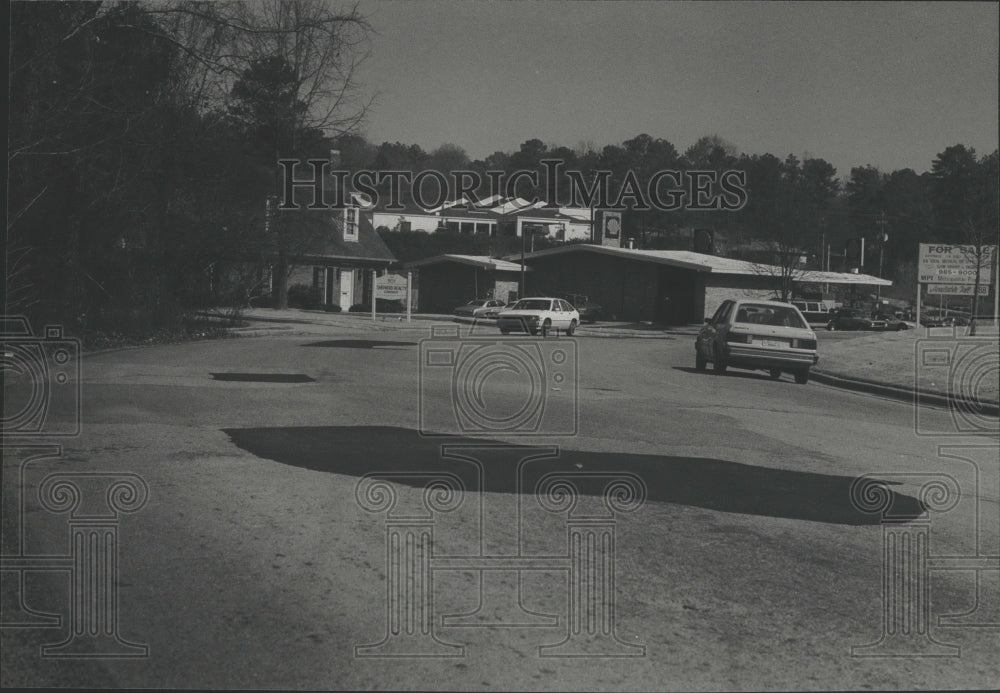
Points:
x=854 y=319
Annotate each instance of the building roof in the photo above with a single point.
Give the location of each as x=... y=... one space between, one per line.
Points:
x=331 y=246
x=481 y=261
x=817 y=277
x=543 y=214
x=714 y=264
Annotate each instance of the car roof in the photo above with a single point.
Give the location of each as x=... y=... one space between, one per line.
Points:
x=762 y=302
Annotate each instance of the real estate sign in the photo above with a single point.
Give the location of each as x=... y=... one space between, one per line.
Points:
x=959 y=289
x=391 y=286
x=955 y=264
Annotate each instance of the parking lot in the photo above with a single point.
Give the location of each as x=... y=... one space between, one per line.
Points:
x=260 y=559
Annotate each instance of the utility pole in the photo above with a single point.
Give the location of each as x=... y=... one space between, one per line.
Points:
x=883 y=237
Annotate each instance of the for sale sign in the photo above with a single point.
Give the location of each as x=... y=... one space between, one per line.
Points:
x=955 y=264
x=958 y=289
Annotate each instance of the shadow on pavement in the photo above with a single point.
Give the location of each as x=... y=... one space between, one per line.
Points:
x=359 y=344
x=263 y=377
x=700 y=482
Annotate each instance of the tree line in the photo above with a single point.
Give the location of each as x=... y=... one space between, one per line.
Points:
x=142 y=148
x=143 y=141
x=796 y=207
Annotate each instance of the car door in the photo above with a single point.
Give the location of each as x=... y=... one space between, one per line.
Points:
x=568 y=307
x=556 y=314
x=710 y=332
x=566 y=313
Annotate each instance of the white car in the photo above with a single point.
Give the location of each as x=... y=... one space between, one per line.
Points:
x=757 y=335
x=534 y=315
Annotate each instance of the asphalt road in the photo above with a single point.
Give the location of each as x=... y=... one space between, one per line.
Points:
x=255 y=564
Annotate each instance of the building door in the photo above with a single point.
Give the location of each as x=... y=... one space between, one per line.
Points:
x=675 y=296
x=346 y=289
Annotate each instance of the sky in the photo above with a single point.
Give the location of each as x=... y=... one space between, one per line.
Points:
x=886 y=84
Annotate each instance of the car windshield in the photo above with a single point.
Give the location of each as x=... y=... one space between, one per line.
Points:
x=532 y=304
x=478 y=302
x=763 y=314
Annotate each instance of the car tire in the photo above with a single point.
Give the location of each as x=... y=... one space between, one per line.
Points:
x=830 y=327
x=699 y=361
x=802 y=376
x=900 y=328
x=718 y=363
x=546 y=327
x=571 y=329
x=774 y=373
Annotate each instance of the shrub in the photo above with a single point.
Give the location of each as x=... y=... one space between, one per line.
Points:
x=382 y=305
x=304 y=296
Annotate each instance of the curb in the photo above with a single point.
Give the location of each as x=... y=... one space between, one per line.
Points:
x=904 y=394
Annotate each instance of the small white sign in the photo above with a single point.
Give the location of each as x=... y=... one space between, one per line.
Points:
x=941 y=263
x=391 y=286
x=958 y=289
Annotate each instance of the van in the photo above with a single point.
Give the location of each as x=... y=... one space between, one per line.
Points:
x=814 y=311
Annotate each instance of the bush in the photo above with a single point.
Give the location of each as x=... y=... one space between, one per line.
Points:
x=332 y=308
x=382 y=305
x=304 y=296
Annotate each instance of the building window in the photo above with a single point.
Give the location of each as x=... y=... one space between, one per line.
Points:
x=350 y=223
x=405 y=226
x=468 y=227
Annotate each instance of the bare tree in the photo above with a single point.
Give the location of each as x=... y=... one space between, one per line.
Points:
x=966 y=192
x=314 y=51
x=788 y=203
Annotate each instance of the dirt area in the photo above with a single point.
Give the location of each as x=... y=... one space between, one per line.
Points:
x=938 y=360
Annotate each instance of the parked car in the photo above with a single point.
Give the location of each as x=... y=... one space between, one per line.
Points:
x=589 y=312
x=495 y=311
x=477 y=307
x=944 y=321
x=534 y=315
x=892 y=323
x=757 y=335
x=854 y=319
